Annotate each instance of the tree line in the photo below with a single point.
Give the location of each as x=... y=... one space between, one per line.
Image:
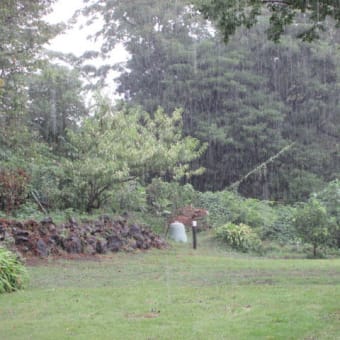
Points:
x=194 y=109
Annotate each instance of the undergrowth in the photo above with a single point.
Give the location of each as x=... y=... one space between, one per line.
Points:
x=13 y=274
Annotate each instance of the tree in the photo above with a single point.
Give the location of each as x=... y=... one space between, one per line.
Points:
x=306 y=79
x=23 y=32
x=56 y=102
x=225 y=103
x=247 y=100
x=311 y=16
x=312 y=224
x=124 y=22
x=330 y=198
x=120 y=145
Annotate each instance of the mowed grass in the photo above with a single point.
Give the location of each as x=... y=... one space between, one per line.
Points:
x=177 y=293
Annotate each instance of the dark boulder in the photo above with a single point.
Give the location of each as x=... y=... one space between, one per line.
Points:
x=46 y=220
x=114 y=243
x=41 y=248
x=101 y=246
x=72 y=245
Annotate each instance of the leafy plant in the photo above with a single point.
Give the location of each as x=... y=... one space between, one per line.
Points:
x=162 y=196
x=226 y=206
x=239 y=237
x=112 y=148
x=330 y=198
x=13 y=274
x=282 y=228
x=223 y=206
x=13 y=186
x=313 y=224
x=256 y=213
x=129 y=196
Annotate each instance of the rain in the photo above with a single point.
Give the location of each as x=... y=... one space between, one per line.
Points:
x=169 y=169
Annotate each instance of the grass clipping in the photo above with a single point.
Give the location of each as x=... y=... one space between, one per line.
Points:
x=13 y=274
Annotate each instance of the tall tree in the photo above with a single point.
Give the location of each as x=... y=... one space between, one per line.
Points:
x=56 y=102
x=177 y=62
x=311 y=16
x=119 y=145
x=124 y=22
x=244 y=99
x=306 y=78
x=23 y=32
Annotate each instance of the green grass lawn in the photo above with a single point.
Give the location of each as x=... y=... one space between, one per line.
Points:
x=177 y=293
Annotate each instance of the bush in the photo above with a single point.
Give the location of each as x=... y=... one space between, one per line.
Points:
x=330 y=198
x=282 y=229
x=168 y=196
x=223 y=206
x=313 y=224
x=129 y=196
x=226 y=206
x=13 y=188
x=256 y=213
x=13 y=274
x=239 y=237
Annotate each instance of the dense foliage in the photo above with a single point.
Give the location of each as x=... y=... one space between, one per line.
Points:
x=239 y=237
x=23 y=33
x=13 y=188
x=313 y=225
x=114 y=147
x=248 y=100
x=13 y=275
x=197 y=117
x=311 y=16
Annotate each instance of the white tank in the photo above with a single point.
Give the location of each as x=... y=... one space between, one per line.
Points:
x=177 y=232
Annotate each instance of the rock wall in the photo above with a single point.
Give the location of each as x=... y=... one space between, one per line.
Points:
x=44 y=238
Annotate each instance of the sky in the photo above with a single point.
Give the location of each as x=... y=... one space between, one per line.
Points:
x=74 y=40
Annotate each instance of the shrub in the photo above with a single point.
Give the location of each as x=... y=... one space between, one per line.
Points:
x=330 y=198
x=129 y=196
x=226 y=206
x=13 y=188
x=239 y=237
x=282 y=229
x=13 y=274
x=162 y=196
x=313 y=224
x=223 y=206
x=256 y=213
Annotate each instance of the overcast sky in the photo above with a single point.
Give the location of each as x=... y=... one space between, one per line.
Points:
x=74 y=41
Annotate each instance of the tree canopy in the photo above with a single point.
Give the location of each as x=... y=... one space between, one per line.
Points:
x=23 y=32
x=311 y=16
x=122 y=144
x=247 y=100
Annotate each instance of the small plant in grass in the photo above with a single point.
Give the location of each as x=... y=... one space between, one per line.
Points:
x=239 y=237
x=13 y=274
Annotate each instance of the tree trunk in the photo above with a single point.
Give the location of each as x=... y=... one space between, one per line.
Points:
x=314 y=249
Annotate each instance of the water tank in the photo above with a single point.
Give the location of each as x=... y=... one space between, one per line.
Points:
x=177 y=232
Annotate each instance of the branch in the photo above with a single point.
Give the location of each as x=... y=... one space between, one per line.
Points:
x=261 y=166
x=281 y=2
x=38 y=202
